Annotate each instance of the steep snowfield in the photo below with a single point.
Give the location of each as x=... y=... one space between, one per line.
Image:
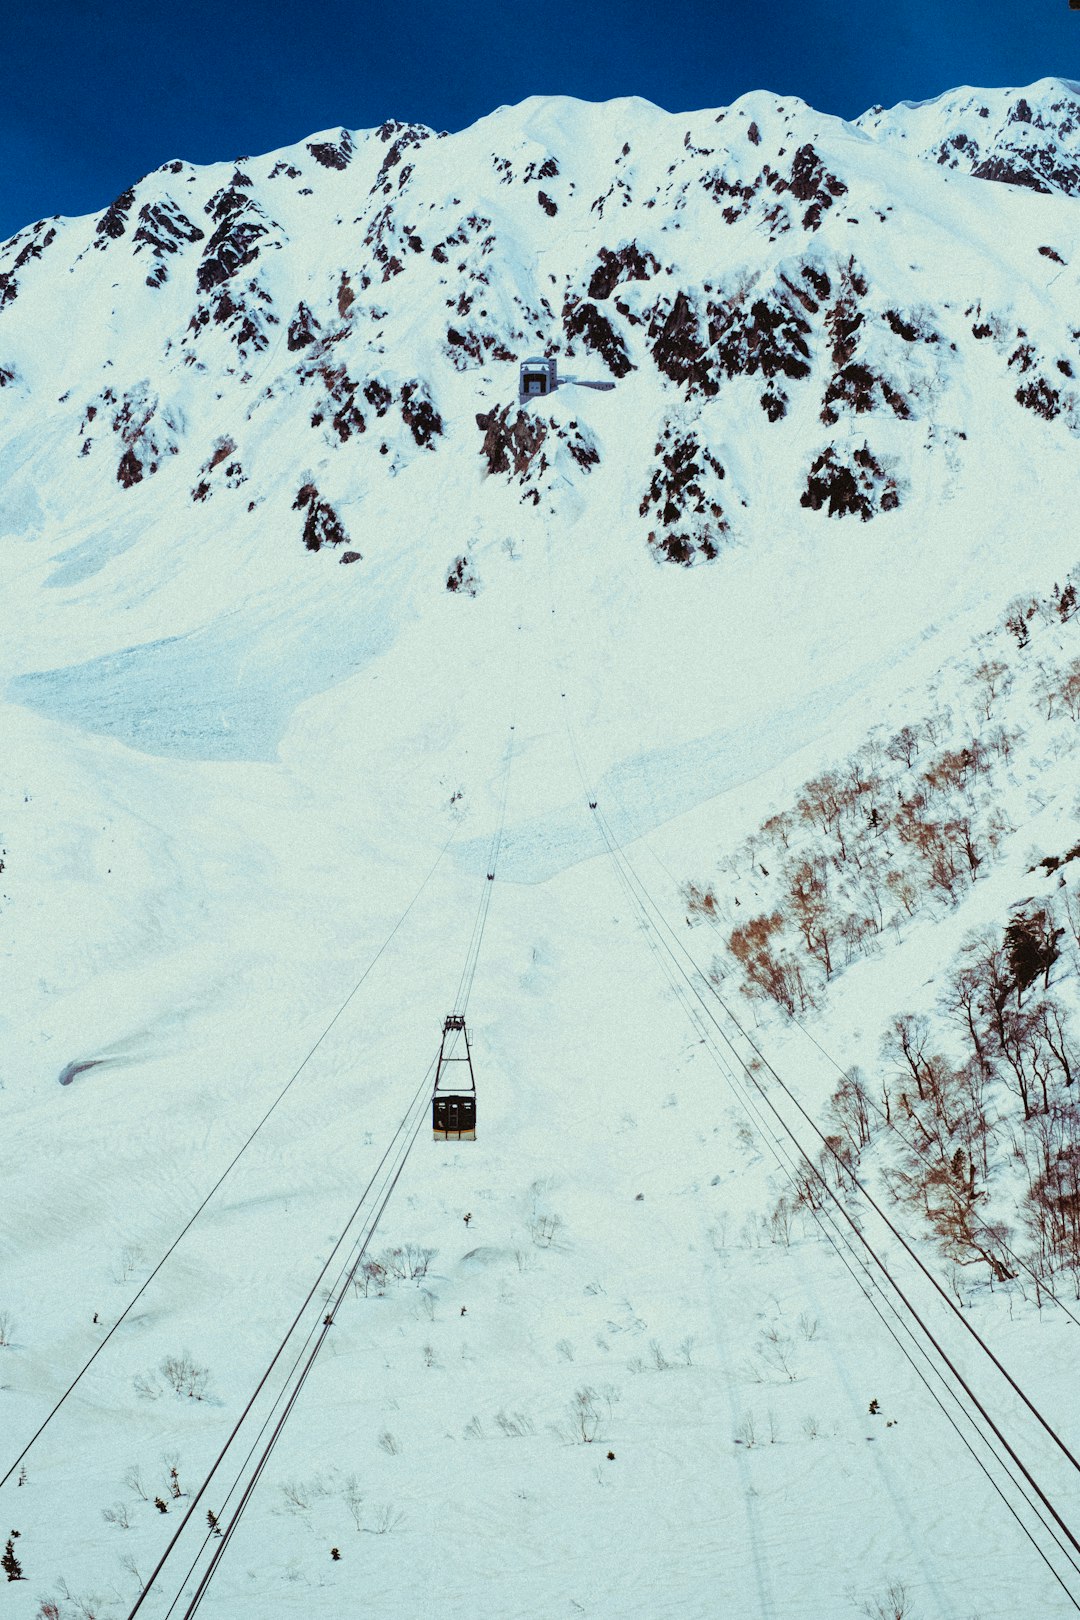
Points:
x=230 y=762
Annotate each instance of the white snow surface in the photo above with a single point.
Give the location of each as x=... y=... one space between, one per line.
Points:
x=229 y=763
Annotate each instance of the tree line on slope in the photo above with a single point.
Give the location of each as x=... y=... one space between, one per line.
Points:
x=899 y=835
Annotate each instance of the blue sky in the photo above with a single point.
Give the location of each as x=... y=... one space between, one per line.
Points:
x=93 y=93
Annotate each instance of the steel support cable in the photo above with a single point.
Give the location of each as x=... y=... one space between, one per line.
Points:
x=909 y=1142
x=673 y=972
x=225 y=1173
x=867 y=1195
x=849 y=1261
x=336 y=1292
x=264 y=1458
x=854 y=1181
x=468 y=972
x=264 y=1379
x=420 y=1094
x=840 y=1241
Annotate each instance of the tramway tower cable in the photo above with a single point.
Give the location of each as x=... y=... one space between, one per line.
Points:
x=408 y=1130
x=233 y=1162
x=618 y=855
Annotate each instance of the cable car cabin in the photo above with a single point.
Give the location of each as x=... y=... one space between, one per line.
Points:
x=453 y=1103
x=537 y=378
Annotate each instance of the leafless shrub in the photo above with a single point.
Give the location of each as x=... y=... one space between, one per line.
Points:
x=147 y=1388
x=775 y=1352
x=585 y=1416
x=474 y=1429
x=134 y=1481
x=660 y=1361
x=409 y=1262
x=746 y=1431
x=685 y=1348
x=383 y=1519
x=7 y=1328
x=296 y=1494
x=185 y=1376
x=780 y=1220
x=370 y=1278
x=390 y=1443
x=811 y=1427
x=808 y=1325
x=353 y=1497
x=131 y=1258
x=564 y=1350
x=127 y=1561
x=894 y=1605
x=514 y=1425
x=544 y=1228
x=118 y=1515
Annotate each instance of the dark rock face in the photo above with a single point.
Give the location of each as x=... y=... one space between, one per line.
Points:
x=378 y=396
x=242 y=230
x=845 y=317
x=627 y=263
x=322 y=526
x=333 y=154
x=233 y=245
x=857 y=389
x=512 y=447
x=163 y=229
x=339 y=402
x=1031 y=147
x=31 y=244
x=232 y=474
x=113 y=222
x=240 y=313
x=812 y=183
x=419 y=415
x=582 y=447
x=1040 y=397
x=860 y=486
x=583 y=320
x=766 y=335
x=303 y=328
x=149 y=433
x=400 y=138
x=912 y=331
x=682 y=500
x=461 y=578
x=677 y=347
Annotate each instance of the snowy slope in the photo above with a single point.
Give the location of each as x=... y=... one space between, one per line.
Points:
x=254 y=418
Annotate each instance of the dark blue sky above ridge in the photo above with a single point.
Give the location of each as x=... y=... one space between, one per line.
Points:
x=94 y=93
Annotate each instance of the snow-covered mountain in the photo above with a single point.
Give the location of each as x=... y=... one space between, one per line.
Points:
x=842 y=440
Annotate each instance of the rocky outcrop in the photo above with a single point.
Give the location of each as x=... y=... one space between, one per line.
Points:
x=512 y=446
x=856 y=486
x=682 y=500
x=322 y=526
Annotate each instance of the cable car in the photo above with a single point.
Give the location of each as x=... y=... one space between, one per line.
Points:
x=453 y=1102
